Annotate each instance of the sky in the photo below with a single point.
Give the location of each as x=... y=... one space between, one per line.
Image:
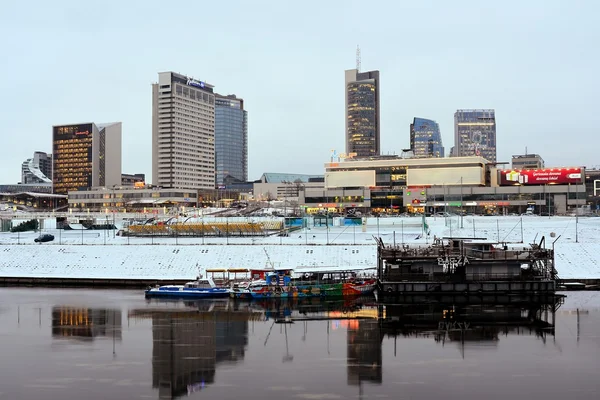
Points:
x=535 y=62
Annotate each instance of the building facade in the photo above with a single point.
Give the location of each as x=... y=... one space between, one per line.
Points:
x=475 y=134
x=37 y=169
x=231 y=140
x=86 y=155
x=132 y=179
x=527 y=161
x=183 y=132
x=128 y=199
x=425 y=138
x=362 y=113
x=457 y=184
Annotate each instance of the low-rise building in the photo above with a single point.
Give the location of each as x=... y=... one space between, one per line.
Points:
x=128 y=199
x=427 y=185
x=527 y=161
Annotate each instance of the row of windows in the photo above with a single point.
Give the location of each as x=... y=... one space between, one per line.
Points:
x=135 y=195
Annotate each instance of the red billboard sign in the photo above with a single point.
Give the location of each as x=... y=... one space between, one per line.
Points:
x=546 y=176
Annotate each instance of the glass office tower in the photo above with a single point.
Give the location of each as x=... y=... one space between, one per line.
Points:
x=231 y=140
x=425 y=138
x=475 y=134
x=362 y=113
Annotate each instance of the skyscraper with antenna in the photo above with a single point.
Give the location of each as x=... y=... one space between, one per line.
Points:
x=362 y=110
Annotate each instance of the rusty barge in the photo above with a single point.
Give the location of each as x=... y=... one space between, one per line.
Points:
x=466 y=266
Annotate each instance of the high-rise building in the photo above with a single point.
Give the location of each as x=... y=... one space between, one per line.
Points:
x=183 y=132
x=231 y=139
x=475 y=134
x=362 y=113
x=37 y=169
x=425 y=138
x=86 y=155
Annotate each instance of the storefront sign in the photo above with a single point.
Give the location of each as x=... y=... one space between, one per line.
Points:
x=560 y=176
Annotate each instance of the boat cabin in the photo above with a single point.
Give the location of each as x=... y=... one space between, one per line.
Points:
x=201 y=283
x=329 y=276
x=281 y=277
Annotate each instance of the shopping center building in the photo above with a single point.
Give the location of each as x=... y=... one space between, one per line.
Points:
x=429 y=185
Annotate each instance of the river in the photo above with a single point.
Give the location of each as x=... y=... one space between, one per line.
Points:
x=113 y=344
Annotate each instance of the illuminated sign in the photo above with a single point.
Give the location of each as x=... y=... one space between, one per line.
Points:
x=561 y=176
x=83 y=133
x=192 y=82
x=139 y=184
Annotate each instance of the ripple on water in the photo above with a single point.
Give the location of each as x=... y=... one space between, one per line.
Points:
x=319 y=396
x=286 y=388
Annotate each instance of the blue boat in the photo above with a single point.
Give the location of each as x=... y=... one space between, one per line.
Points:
x=201 y=288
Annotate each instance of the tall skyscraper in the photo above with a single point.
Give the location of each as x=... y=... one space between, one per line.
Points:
x=362 y=113
x=475 y=134
x=86 y=155
x=231 y=139
x=37 y=169
x=425 y=138
x=183 y=132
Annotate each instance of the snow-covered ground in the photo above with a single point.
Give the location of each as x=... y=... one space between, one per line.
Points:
x=100 y=254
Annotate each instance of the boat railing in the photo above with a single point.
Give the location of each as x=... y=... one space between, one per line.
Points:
x=305 y=281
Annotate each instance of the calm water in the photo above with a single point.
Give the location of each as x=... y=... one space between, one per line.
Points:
x=97 y=344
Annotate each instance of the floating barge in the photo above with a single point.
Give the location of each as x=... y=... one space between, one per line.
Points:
x=466 y=266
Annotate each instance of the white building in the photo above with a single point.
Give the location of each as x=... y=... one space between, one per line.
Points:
x=183 y=132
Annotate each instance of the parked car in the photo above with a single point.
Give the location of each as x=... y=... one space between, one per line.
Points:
x=45 y=237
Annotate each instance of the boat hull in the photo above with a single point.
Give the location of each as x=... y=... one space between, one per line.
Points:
x=187 y=294
x=339 y=290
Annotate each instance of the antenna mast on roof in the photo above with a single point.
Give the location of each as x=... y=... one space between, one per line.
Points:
x=357 y=58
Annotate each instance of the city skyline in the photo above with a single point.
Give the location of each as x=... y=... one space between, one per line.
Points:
x=540 y=80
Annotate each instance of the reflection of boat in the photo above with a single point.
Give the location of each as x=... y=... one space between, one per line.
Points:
x=198 y=289
x=279 y=284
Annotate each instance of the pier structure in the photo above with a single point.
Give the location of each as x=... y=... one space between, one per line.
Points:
x=465 y=266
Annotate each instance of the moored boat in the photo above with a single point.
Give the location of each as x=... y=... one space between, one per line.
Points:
x=201 y=288
x=280 y=284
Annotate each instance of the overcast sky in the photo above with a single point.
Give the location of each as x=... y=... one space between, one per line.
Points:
x=535 y=62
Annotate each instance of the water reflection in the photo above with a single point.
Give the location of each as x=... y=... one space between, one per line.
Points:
x=432 y=346
x=84 y=323
x=189 y=343
x=191 y=339
x=471 y=322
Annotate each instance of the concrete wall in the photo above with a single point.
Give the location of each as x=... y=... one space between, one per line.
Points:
x=113 y=154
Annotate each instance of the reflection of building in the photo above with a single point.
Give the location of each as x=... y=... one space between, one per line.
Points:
x=85 y=323
x=183 y=132
x=188 y=347
x=231 y=139
x=86 y=155
x=478 y=323
x=475 y=134
x=425 y=138
x=37 y=169
x=364 y=352
x=362 y=113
